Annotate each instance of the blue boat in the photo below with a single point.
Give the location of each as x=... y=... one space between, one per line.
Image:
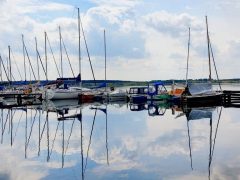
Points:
x=138 y=94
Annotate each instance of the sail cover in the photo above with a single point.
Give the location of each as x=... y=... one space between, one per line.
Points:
x=200 y=88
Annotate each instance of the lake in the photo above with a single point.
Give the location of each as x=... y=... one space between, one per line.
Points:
x=119 y=141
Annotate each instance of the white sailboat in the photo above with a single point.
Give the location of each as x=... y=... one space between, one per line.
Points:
x=70 y=92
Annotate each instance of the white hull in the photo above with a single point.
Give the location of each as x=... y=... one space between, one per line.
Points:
x=71 y=93
x=60 y=94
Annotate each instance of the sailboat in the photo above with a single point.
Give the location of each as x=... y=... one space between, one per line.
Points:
x=112 y=95
x=67 y=92
x=203 y=93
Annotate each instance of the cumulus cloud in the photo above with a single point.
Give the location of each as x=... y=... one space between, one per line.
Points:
x=153 y=39
x=175 y=25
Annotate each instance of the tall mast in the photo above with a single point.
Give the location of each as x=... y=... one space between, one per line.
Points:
x=79 y=47
x=188 y=54
x=87 y=51
x=209 y=59
x=24 y=58
x=105 y=54
x=45 y=40
x=60 y=44
x=10 y=65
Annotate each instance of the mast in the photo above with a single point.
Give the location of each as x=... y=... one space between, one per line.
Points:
x=79 y=47
x=87 y=52
x=188 y=54
x=60 y=44
x=105 y=54
x=45 y=40
x=24 y=58
x=10 y=65
x=209 y=58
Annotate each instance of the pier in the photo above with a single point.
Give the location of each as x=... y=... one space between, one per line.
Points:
x=20 y=96
x=231 y=98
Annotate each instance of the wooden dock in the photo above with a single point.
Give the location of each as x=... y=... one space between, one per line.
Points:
x=20 y=96
x=231 y=98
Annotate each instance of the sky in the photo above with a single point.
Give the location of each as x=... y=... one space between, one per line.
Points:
x=145 y=40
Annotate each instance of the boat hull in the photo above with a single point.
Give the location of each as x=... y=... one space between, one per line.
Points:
x=203 y=100
x=60 y=94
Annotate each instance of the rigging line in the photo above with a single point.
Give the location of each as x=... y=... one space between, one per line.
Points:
x=17 y=126
x=214 y=64
x=4 y=68
x=38 y=56
x=69 y=136
x=53 y=55
x=90 y=139
x=42 y=63
x=214 y=141
x=37 y=59
x=34 y=118
x=67 y=57
x=11 y=122
x=87 y=49
x=14 y=60
x=2 y=126
x=30 y=62
x=11 y=77
x=8 y=114
x=54 y=138
x=43 y=130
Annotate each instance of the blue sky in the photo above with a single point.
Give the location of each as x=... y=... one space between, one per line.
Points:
x=146 y=40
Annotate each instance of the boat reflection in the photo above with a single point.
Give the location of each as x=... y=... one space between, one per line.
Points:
x=201 y=113
x=56 y=130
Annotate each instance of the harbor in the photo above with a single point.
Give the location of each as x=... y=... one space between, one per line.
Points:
x=119 y=90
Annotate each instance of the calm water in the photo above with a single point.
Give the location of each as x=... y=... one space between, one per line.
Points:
x=116 y=142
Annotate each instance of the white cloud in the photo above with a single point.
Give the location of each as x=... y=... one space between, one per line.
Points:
x=153 y=40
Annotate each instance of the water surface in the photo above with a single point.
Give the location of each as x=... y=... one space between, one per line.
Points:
x=115 y=141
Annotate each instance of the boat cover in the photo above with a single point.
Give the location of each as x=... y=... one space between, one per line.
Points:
x=200 y=88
